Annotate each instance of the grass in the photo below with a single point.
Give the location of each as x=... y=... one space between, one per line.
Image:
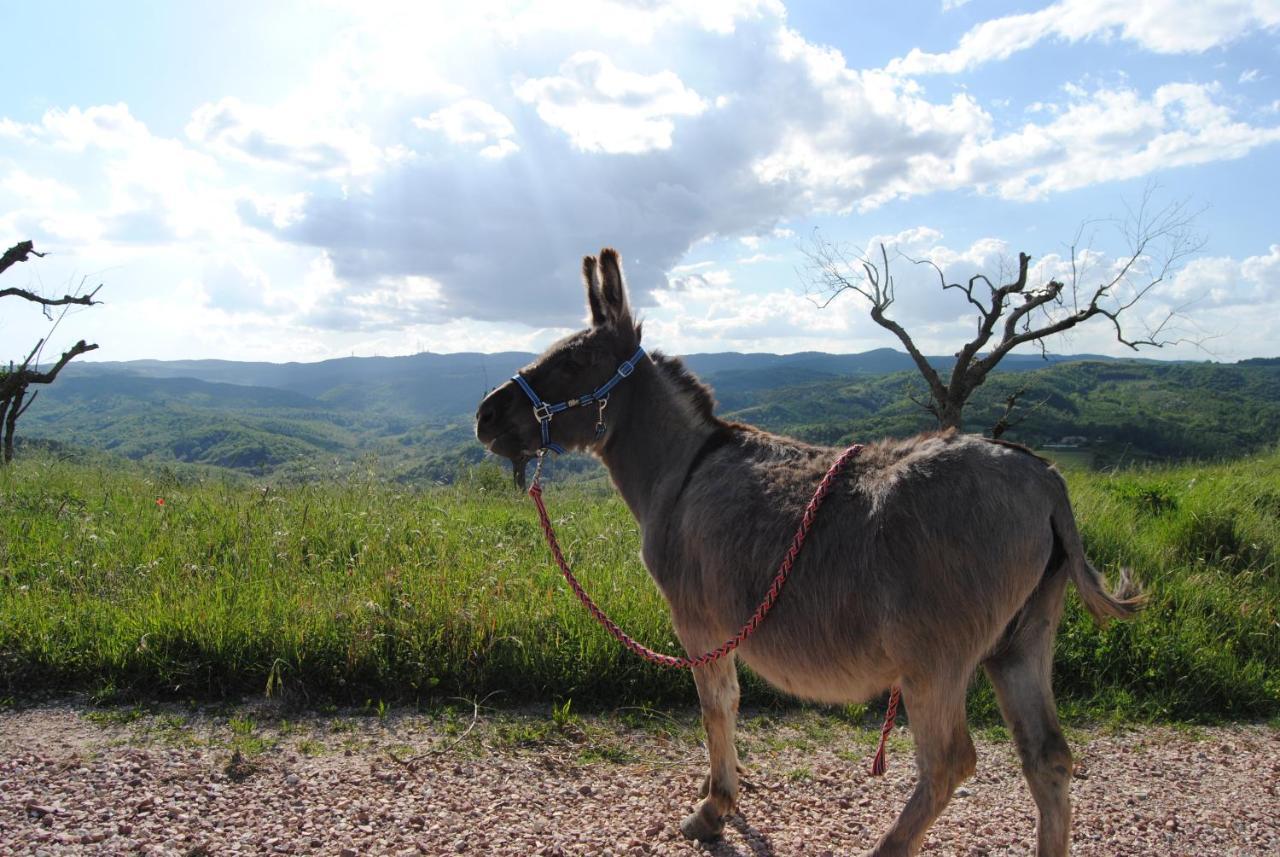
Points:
x=1206 y=542
x=132 y=583
x=350 y=591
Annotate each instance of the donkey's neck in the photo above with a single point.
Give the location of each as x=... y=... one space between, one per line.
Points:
x=655 y=434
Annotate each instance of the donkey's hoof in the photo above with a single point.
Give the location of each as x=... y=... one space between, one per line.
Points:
x=704 y=825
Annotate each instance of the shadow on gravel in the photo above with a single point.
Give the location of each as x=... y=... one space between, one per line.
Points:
x=755 y=840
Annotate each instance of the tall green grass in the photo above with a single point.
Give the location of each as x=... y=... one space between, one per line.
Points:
x=1205 y=541
x=363 y=590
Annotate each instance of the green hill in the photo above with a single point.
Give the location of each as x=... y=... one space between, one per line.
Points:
x=1135 y=410
x=410 y=417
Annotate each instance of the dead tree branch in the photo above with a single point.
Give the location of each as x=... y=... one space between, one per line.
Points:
x=18 y=253
x=1005 y=421
x=832 y=271
x=84 y=300
x=15 y=381
x=1157 y=241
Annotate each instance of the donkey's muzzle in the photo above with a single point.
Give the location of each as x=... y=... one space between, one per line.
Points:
x=497 y=428
x=487 y=420
x=494 y=416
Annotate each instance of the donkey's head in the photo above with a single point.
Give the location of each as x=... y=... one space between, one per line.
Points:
x=568 y=372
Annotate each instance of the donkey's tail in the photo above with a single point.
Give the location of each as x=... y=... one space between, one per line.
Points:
x=1124 y=602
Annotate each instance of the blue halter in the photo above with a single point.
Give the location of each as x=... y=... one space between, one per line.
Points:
x=543 y=412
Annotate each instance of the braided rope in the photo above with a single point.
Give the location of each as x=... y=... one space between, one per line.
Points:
x=770 y=598
x=878 y=763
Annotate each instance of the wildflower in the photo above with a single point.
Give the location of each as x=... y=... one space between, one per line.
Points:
x=159 y=501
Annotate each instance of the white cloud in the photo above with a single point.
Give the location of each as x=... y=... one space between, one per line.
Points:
x=722 y=16
x=754 y=242
x=1219 y=281
x=690 y=266
x=1107 y=135
x=703 y=318
x=854 y=156
x=282 y=138
x=606 y=109
x=107 y=126
x=858 y=139
x=1161 y=26
x=476 y=123
x=385 y=303
x=704 y=282
x=279 y=210
x=36 y=190
x=798 y=131
x=1251 y=76
x=141 y=187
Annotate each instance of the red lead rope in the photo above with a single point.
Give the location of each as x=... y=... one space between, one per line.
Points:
x=784 y=571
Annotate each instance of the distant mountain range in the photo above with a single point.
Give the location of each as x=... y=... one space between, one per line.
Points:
x=411 y=416
x=443 y=386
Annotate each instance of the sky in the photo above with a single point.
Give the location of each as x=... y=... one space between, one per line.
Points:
x=300 y=181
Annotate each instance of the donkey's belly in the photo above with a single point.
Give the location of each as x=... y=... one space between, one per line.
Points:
x=820 y=675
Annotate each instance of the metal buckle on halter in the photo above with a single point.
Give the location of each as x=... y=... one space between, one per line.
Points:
x=542 y=412
x=626 y=369
x=537 y=470
x=600 y=426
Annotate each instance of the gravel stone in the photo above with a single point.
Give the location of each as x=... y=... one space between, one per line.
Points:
x=408 y=785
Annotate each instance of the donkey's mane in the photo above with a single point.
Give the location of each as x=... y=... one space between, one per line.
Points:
x=698 y=393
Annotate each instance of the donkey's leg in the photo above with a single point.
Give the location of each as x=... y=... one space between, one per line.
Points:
x=705 y=788
x=1020 y=673
x=944 y=756
x=718 y=695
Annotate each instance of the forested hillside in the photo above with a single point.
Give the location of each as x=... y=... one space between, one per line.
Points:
x=1140 y=411
x=409 y=418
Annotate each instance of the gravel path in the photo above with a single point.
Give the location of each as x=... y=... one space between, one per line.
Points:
x=258 y=780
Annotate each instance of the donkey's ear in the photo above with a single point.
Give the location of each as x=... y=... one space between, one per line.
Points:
x=591 y=277
x=612 y=289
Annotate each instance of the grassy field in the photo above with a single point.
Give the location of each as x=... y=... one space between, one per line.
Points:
x=122 y=581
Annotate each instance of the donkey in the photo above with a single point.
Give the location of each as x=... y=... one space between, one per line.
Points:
x=931 y=556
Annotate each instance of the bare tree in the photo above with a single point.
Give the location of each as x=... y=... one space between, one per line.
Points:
x=15 y=381
x=1006 y=420
x=1157 y=240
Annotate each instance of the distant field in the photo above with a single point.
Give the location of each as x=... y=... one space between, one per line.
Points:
x=136 y=581
x=1070 y=459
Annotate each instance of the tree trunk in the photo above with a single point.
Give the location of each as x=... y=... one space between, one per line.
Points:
x=951 y=414
x=10 y=423
x=4 y=412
